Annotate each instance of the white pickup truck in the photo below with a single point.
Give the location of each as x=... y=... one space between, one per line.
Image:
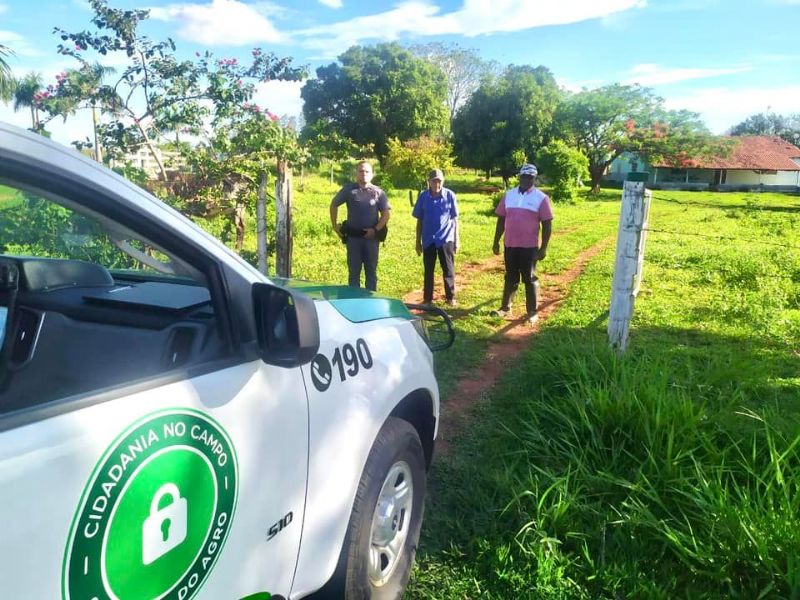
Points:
x=174 y=425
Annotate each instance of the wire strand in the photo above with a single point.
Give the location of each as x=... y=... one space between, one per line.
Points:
x=722 y=237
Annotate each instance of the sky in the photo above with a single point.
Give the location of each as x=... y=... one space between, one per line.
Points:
x=724 y=59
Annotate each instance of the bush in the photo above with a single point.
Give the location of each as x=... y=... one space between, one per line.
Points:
x=564 y=167
x=408 y=163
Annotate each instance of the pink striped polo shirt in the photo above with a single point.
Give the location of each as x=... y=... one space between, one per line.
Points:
x=523 y=213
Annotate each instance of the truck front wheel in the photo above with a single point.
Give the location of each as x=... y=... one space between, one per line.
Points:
x=384 y=526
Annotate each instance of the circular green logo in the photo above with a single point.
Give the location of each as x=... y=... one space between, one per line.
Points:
x=156 y=512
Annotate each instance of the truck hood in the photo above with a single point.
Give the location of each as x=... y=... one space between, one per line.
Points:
x=354 y=304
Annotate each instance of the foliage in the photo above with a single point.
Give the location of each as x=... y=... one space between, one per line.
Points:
x=38 y=227
x=376 y=93
x=6 y=77
x=408 y=163
x=605 y=122
x=156 y=94
x=28 y=93
x=506 y=120
x=325 y=142
x=463 y=70
x=565 y=168
x=786 y=127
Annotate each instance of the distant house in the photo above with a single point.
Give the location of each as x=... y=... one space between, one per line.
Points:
x=756 y=162
x=143 y=159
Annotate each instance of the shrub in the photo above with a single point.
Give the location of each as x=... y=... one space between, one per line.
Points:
x=564 y=167
x=408 y=163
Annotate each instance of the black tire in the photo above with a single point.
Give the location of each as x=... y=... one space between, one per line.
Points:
x=397 y=449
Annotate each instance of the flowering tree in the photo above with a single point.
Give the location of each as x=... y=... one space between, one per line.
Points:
x=605 y=122
x=233 y=165
x=156 y=94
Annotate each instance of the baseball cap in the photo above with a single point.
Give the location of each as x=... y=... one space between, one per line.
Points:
x=529 y=169
x=436 y=174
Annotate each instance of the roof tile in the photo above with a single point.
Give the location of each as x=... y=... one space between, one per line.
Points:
x=754 y=152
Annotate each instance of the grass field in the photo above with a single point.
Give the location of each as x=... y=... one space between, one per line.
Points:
x=671 y=471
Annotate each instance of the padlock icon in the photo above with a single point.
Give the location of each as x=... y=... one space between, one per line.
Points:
x=165 y=528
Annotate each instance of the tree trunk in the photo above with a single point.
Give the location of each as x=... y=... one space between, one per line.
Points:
x=153 y=151
x=596 y=174
x=231 y=191
x=283 y=220
x=98 y=154
x=238 y=219
x=261 y=224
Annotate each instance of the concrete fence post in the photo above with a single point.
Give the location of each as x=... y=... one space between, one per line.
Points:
x=629 y=263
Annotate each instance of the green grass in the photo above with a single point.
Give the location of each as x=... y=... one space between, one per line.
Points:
x=319 y=256
x=671 y=471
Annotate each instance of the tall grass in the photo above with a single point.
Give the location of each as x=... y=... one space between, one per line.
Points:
x=670 y=472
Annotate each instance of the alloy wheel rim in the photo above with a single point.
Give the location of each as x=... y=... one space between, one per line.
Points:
x=391 y=521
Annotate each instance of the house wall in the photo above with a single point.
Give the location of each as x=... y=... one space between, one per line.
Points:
x=666 y=178
x=625 y=163
x=752 y=178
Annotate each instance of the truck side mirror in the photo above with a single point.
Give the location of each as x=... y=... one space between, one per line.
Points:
x=287 y=325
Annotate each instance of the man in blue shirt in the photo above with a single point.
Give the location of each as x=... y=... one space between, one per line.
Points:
x=436 y=212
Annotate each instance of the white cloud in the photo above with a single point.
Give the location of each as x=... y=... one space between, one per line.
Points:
x=18 y=45
x=475 y=17
x=649 y=74
x=722 y=108
x=222 y=22
x=332 y=3
x=280 y=97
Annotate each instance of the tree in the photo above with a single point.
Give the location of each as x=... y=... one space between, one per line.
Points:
x=564 y=167
x=786 y=127
x=325 y=143
x=376 y=93
x=6 y=78
x=506 y=120
x=233 y=166
x=463 y=70
x=408 y=163
x=605 y=122
x=83 y=85
x=28 y=93
x=157 y=93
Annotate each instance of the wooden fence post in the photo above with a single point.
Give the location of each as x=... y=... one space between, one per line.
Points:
x=630 y=258
x=283 y=221
x=261 y=224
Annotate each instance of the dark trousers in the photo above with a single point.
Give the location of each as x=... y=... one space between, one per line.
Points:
x=446 y=256
x=362 y=252
x=520 y=265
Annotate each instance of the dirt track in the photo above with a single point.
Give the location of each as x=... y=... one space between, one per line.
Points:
x=509 y=341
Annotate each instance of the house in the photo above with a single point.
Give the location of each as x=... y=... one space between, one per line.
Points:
x=143 y=159
x=756 y=162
